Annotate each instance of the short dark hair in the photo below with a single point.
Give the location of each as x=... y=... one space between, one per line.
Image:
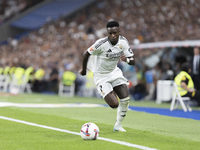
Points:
x=185 y=67
x=111 y=24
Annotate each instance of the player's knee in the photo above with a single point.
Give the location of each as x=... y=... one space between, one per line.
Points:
x=114 y=105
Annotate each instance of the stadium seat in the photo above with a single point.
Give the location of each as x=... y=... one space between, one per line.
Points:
x=4 y=82
x=25 y=85
x=67 y=84
x=177 y=99
x=19 y=82
x=89 y=88
x=66 y=90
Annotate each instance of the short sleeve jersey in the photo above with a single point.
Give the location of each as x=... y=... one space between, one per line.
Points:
x=108 y=55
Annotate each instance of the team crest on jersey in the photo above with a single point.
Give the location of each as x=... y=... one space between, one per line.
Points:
x=120 y=47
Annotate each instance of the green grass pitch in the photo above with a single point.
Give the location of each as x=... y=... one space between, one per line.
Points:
x=144 y=129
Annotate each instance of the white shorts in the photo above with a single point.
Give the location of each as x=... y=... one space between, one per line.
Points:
x=106 y=82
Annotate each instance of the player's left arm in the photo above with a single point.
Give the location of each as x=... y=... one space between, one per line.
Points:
x=128 y=56
x=128 y=60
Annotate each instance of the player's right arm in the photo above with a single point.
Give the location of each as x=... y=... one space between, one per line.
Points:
x=86 y=56
x=93 y=50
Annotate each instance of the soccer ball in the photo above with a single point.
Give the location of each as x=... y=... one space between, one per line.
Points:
x=89 y=131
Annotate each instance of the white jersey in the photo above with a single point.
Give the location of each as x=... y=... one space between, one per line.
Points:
x=105 y=56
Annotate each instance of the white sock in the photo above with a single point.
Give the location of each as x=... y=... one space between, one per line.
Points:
x=122 y=110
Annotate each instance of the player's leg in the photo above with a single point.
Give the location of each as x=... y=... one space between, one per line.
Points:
x=123 y=94
x=105 y=88
x=106 y=91
x=121 y=91
x=111 y=99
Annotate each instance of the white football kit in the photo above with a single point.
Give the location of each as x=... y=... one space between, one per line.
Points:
x=103 y=63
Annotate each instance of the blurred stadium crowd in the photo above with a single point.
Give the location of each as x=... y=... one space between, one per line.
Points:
x=58 y=45
x=10 y=8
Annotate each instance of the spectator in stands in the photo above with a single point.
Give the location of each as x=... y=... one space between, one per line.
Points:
x=53 y=79
x=137 y=88
x=39 y=84
x=10 y=8
x=149 y=80
x=196 y=68
x=167 y=72
x=70 y=36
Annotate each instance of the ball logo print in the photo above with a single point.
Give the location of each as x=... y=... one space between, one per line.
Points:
x=89 y=131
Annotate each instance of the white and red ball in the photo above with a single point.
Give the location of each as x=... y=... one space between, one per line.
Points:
x=89 y=131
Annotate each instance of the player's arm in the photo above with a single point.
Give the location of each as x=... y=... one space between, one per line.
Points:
x=86 y=56
x=128 y=60
x=127 y=55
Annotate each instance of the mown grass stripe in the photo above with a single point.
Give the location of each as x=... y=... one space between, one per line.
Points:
x=76 y=133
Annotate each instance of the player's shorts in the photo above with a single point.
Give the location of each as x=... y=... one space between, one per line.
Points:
x=106 y=82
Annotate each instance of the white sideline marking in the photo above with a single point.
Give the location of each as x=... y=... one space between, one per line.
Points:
x=37 y=105
x=76 y=133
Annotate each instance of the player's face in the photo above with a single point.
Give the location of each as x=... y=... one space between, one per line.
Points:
x=113 y=35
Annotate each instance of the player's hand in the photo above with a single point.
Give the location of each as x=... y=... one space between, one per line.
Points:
x=123 y=58
x=82 y=72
